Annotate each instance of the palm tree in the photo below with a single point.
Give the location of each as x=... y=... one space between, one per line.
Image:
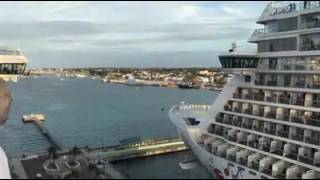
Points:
x=53 y=155
x=75 y=151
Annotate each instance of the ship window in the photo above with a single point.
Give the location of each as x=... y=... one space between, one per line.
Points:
x=247 y=79
x=273 y=62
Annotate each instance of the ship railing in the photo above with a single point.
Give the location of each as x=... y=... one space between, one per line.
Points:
x=255 y=166
x=313 y=122
x=297 y=120
x=284 y=134
x=306 y=160
x=232 y=158
x=297 y=137
x=312 y=140
x=278 y=152
x=270 y=131
x=247 y=126
x=267 y=171
x=280 y=176
x=257 y=128
x=292 y=155
x=271 y=115
x=243 y=161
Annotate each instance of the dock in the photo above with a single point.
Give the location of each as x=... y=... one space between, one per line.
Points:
x=44 y=131
x=142 y=149
x=101 y=158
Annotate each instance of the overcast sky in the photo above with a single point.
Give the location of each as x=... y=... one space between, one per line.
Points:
x=126 y=34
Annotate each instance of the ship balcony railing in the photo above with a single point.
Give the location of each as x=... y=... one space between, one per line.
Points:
x=297 y=137
x=237 y=96
x=299 y=102
x=255 y=166
x=258 y=97
x=242 y=141
x=236 y=110
x=253 y=144
x=285 y=117
x=270 y=131
x=283 y=134
x=313 y=122
x=232 y=158
x=267 y=171
x=219 y=119
x=278 y=152
x=237 y=123
x=261 y=113
x=257 y=128
x=247 y=111
x=271 y=115
x=272 y=83
x=310 y=24
x=306 y=160
x=243 y=161
x=316 y=104
x=219 y=133
x=312 y=140
x=280 y=176
x=271 y=99
x=247 y=126
x=300 y=84
x=230 y=138
x=227 y=121
x=311 y=46
x=265 y=148
x=227 y=108
x=292 y=155
x=297 y=120
x=284 y=100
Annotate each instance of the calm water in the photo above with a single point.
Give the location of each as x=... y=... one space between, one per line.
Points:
x=87 y=112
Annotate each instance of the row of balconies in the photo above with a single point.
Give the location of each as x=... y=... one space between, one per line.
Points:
x=283 y=97
x=285 y=131
x=282 y=114
x=295 y=152
x=256 y=161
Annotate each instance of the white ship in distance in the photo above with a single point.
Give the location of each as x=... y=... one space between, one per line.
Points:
x=265 y=123
x=13 y=64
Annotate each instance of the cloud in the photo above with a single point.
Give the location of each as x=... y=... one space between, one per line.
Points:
x=63 y=28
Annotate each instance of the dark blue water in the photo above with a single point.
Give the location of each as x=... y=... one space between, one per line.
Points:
x=87 y=112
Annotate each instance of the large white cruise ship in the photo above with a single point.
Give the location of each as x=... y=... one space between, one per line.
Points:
x=12 y=65
x=265 y=124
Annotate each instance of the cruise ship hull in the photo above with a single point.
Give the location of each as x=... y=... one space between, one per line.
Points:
x=216 y=166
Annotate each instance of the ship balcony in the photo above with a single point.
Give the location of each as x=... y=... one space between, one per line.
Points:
x=297 y=120
x=313 y=122
x=255 y=166
x=297 y=137
x=270 y=131
x=306 y=160
x=284 y=134
x=292 y=155
x=312 y=140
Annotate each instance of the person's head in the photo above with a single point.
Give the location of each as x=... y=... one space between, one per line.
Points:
x=5 y=101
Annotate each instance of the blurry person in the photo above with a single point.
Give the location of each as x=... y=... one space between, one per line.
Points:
x=5 y=103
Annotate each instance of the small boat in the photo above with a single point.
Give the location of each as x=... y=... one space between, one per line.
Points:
x=33 y=118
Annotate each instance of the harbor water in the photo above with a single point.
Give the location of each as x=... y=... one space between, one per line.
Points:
x=87 y=112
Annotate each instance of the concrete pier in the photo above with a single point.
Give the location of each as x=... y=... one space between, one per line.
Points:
x=143 y=149
x=91 y=159
x=47 y=134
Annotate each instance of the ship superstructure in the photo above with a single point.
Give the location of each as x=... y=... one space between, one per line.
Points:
x=266 y=121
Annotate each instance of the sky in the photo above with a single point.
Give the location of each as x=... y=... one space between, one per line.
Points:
x=127 y=34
